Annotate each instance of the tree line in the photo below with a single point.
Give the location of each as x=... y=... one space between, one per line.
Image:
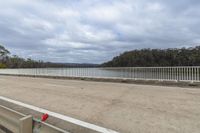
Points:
x=157 y=57
x=14 y=61
x=135 y=58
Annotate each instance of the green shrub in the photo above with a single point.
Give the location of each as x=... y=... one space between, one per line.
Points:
x=2 y=65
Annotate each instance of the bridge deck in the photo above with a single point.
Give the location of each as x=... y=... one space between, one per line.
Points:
x=123 y=107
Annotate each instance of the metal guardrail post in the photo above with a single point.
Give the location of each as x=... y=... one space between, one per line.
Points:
x=25 y=124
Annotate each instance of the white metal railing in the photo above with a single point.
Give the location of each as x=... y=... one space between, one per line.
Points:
x=184 y=73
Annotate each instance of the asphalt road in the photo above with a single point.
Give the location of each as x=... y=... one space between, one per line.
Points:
x=127 y=108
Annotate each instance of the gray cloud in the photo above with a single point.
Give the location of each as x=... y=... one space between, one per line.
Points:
x=95 y=31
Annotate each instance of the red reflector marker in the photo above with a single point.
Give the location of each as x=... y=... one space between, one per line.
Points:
x=44 y=117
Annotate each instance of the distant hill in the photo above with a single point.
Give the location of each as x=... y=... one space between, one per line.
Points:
x=157 y=57
x=7 y=61
x=51 y=64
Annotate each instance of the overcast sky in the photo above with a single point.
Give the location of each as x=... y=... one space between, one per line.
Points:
x=94 y=31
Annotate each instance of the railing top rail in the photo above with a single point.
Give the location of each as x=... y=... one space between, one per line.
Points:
x=18 y=113
x=157 y=67
x=105 y=67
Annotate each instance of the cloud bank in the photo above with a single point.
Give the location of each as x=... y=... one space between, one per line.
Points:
x=86 y=31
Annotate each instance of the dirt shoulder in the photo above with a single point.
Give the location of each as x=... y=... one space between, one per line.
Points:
x=173 y=83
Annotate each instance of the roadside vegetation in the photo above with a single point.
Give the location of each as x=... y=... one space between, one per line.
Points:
x=157 y=57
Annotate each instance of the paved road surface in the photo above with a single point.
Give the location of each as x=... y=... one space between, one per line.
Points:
x=126 y=108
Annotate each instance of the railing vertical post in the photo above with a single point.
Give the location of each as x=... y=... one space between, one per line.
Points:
x=163 y=76
x=181 y=73
x=184 y=73
x=135 y=73
x=150 y=71
x=173 y=73
x=168 y=71
x=178 y=78
x=163 y=73
x=153 y=73
x=143 y=73
x=78 y=72
x=131 y=72
x=160 y=71
x=124 y=69
x=195 y=77
x=187 y=73
x=192 y=74
x=72 y=71
x=146 y=70
x=198 y=74
x=187 y=69
x=69 y=72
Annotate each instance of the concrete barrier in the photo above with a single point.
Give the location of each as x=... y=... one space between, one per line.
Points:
x=15 y=122
x=18 y=122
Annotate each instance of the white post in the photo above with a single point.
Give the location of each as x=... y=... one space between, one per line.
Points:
x=198 y=74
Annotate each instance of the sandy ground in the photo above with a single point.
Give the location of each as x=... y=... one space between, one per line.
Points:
x=126 y=108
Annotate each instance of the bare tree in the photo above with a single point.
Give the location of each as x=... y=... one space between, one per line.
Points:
x=3 y=53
